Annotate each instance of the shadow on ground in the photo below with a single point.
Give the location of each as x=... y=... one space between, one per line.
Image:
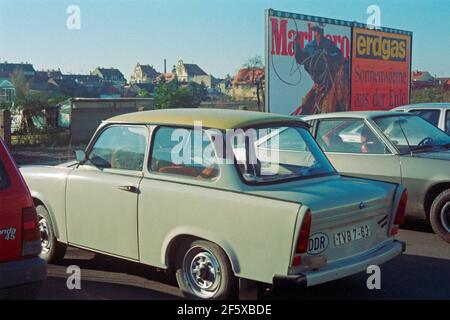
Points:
x=405 y=277
x=420 y=225
x=97 y=290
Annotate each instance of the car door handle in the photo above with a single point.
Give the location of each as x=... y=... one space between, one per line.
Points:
x=132 y=189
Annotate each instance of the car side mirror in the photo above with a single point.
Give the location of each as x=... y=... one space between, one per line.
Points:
x=80 y=156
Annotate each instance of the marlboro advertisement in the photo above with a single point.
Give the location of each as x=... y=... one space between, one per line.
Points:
x=308 y=69
x=380 y=70
x=320 y=65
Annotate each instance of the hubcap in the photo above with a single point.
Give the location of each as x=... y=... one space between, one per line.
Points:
x=445 y=216
x=45 y=235
x=202 y=272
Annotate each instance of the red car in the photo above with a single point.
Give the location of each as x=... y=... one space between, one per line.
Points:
x=21 y=269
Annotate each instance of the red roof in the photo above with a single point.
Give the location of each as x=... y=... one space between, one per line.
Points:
x=168 y=77
x=248 y=76
x=419 y=75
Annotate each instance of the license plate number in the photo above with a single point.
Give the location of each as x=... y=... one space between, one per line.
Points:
x=350 y=235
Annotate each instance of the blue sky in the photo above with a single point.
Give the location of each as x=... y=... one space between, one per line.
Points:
x=219 y=35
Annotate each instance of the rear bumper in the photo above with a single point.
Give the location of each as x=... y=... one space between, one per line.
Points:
x=342 y=268
x=20 y=274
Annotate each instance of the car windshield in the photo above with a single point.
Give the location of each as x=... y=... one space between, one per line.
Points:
x=273 y=154
x=412 y=133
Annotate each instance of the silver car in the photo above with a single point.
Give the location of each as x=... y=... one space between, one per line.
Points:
x=396 y=147
x=438 y=114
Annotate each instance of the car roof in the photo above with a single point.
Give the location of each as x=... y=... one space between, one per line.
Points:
x=210 y=118
x=429 y=105
x=350 y=114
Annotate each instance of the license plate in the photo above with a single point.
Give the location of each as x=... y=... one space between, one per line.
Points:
x=350 y=235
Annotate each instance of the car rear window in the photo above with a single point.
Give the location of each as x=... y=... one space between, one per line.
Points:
x=432 y=116
x=3 y=177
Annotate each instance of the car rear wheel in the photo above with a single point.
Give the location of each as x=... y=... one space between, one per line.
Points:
x=440 y=215
x=52 y=250
x=204 y=272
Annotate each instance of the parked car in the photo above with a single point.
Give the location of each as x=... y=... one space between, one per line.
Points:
x=21 y=269
x=437 y=114
x=223 y=220
x=396 y=147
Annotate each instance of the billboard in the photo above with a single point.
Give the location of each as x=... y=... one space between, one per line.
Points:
x=380 y=69
x=307 y=64
x=312 y=65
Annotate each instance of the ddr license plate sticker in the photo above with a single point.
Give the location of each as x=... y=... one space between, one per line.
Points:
x=350 y=235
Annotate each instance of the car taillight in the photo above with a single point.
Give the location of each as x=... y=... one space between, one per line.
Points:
x=31 y=236
x=400 y=214
x=303 y=238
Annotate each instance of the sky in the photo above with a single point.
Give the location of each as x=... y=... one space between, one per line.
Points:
x=218 y=35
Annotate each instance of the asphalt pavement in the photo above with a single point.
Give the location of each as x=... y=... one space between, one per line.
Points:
x=422 y=272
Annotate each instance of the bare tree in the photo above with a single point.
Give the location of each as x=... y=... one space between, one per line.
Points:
x=254 y=65
x=21 y=84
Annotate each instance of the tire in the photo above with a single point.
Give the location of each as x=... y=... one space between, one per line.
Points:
x=214 y=272
x=52 y=250
x=440 y=215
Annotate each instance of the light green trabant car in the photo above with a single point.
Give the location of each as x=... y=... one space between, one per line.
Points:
x=221 y=198
x=396 y=147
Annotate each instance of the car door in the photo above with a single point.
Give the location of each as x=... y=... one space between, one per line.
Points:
x=102 y=193
x=355 y=149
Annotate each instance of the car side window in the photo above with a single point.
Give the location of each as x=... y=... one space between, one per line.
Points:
x=447 y=122
x=432 y=116
x=175 y=152
x=287 y=140
x=120 y=147
x=348 y=136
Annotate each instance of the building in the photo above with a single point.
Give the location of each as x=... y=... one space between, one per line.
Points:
x=444 y=82
x=225 y=87
x=39 y=82
x=140 y=89
x=165 y=78
x=7 y=69
x=111 y=75
x=144 y=73
x=90 y=85
x=7 y=91
x=422 y=79
x=187 y=72
x=246 y=83
x=64 y=86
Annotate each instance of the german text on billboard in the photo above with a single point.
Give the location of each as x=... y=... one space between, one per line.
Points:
x=380 y=69
x=319 y=65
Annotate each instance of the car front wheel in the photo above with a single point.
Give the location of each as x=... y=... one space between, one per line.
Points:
x=440 y=215
x=204 y=272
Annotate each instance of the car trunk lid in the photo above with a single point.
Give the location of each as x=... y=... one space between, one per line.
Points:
x=349 y=215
